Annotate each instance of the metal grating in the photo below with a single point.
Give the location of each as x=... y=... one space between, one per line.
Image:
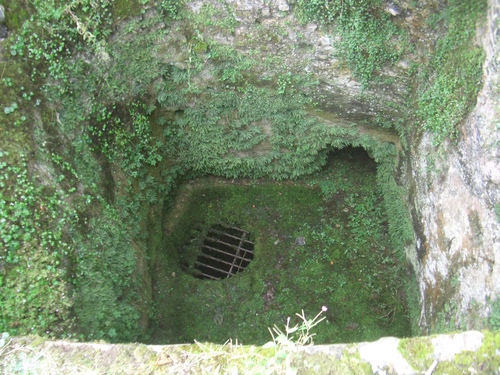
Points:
x=225 y=251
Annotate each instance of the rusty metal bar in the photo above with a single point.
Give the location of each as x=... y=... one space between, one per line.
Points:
x=215 y=240
x=214 y=258
x=223 y=252
x=217 y=269
x=229 y=235
x=236 y=256
x=232 y=265
x=240 y=248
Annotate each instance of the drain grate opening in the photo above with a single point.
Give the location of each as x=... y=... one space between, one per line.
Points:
x=225 y=251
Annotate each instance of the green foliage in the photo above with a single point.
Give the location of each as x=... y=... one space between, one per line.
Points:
x=331 y=11
x=497 y=211
x=35 y=295
x=34 y=290
x=100 y=258
x=285 y=83
x=10 y=109
x=106 y=281
x=51 y=39
x=16 y=213
x=400 y=225
x=369 y=38
x=136 y=147
x=367 y=45
x=226 y=133
x=59 y=272
x=221 y=16
x=229 y=65
x=172 y=8
x=494 y=318
x=452 y=80
x=107 y=298
x=7 y=82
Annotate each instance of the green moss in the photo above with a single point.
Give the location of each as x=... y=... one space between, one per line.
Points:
x=344 y=361
x=497 y=211
x=413 y=301
x=483 y=361
x=345 y=238
x=16 y=12
x=494 y=318
x=37 y=341
x=123 y=9
x=417 y=351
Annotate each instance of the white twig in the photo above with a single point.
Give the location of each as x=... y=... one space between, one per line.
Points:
x=432 y=368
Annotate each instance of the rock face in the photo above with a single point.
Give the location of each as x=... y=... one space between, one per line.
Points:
x=3 y=28
x=269 y=30
x=454 y=196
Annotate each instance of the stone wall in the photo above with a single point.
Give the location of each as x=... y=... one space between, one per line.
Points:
x=270 y=31
x=467 y=352
x=453 y=192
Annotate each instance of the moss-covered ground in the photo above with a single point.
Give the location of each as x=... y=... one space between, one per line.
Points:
x=346 y=263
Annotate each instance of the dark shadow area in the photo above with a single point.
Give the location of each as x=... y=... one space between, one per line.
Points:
x=358 y=156
x=224 y=251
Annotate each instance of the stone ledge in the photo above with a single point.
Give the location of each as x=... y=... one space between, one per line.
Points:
x=469 y=352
